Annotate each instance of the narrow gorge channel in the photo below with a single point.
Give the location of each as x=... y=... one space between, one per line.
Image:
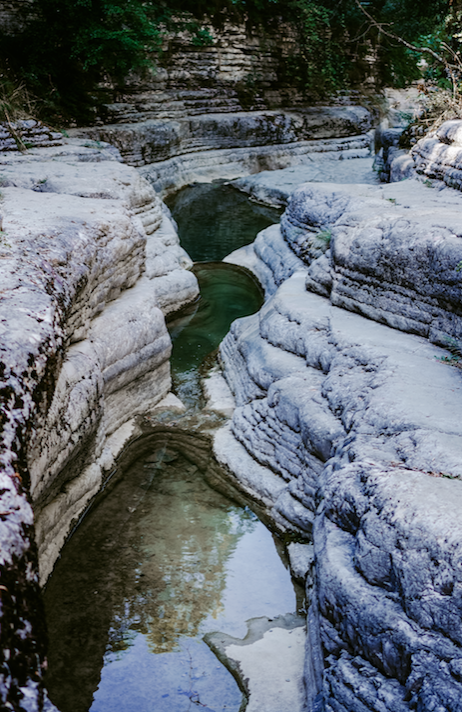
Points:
x=163 y=559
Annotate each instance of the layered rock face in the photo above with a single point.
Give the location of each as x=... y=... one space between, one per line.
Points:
x=14 y=14
x=238 y=68
x=90 y=266
x=216 y=105
x=146 y=142
x=230 y=163
x=437 y=156
x=190 y=120
x=347 y=433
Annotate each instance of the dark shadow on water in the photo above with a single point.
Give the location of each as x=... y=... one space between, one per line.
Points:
x=215 y=219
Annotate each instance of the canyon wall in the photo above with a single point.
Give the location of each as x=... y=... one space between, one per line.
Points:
x=347 y=425
x=347 y=432
x=238 y=68
x=91 y=265
x=14 y=13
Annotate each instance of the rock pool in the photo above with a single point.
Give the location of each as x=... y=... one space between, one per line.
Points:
x=164 y=559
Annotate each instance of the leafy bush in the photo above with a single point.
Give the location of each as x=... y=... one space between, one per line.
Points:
x=68 y=49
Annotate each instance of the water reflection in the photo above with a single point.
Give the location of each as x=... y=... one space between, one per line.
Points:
x=215 y=219
x=228 y=292
x=162 y=560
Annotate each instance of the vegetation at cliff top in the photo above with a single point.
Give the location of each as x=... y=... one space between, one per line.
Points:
x=70 y=52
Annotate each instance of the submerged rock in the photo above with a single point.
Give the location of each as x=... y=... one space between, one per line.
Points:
x=268 y=663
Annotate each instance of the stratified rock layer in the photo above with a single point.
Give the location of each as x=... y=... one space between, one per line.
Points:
x=90 y=264
x=154 y=140
x=347 y=432
x=437 y=156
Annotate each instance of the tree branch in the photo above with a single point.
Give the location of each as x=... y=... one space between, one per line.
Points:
x=379 y=26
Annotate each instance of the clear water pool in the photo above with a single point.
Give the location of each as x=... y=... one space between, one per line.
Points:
x=164 y=559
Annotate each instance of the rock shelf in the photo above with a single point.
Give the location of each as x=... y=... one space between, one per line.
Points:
x=90 y=266
x=346 y=431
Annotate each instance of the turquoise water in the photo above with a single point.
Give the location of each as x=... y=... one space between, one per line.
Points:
x=163 y=558
x=227 y=293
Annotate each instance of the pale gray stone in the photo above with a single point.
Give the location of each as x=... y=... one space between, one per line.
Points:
x=301 y=558
x=154 y=140
x=83 y=352
x=344 y=427
x=268 y=662
x=231 y=163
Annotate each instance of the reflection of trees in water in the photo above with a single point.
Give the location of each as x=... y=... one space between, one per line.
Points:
x=215 y=219
x=183 y=539
x=151 y=558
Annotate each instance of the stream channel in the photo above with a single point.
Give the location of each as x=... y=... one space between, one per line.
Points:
x=164 y=559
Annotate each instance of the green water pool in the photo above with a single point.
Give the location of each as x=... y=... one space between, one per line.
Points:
x=214 y=219
x=163 y=558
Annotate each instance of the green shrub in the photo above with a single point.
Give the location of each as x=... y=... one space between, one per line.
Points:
x=70 y=49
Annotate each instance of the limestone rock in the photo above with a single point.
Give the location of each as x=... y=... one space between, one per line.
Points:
x=393 y=254
x=153 y=140
x=27 y=133
x=339 y=411
x=388 y=252
x=275 y=186
x=230 y=163
x=436 y=157
x=83 y=351
x=269 y=258
x=301 y=558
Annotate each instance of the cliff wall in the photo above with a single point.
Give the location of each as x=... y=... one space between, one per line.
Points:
x=90 y=266
x=239 y=69
x=14 y=13
x=347 y=432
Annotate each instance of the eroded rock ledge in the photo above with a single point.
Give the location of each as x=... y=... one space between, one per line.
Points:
x=172 y=153
x=90 y=266
x=347 y=432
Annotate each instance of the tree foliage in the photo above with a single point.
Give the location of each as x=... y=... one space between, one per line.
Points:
x=69 y=47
